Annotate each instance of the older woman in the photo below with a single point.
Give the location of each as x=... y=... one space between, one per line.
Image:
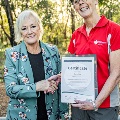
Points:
x=28 y=70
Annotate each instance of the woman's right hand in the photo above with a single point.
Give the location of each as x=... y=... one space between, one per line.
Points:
x=56 y=78
x=45 y=85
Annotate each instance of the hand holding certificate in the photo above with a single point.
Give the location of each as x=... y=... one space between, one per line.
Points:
x=78 y=78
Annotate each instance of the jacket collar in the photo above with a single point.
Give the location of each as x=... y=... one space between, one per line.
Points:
x=26 y=63
x=47 y=54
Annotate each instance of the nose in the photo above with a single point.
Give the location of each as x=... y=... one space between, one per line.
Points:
x=81 y=2
x=29 y=30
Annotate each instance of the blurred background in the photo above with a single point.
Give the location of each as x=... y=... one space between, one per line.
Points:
x=59 y=21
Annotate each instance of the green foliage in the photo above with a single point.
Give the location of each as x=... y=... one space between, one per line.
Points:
x=110 y=8
x=57 y=26
x=55 y=32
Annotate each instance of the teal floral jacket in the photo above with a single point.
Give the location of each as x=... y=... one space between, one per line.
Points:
x=20 y=86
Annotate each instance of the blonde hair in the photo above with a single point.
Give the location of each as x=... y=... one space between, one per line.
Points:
x=20 y=20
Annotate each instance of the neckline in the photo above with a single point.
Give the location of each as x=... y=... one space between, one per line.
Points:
x=34 y=54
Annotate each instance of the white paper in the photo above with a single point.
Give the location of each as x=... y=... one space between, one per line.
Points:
x=78 y=79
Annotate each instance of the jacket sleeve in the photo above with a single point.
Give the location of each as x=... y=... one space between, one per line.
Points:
x=63 y=107
x=13 y=88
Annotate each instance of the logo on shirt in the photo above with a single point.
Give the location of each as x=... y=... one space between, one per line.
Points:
x=98 y=42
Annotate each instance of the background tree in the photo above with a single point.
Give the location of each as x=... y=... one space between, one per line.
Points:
x=58 y=17
x=55 y=17
x=10 y=21
x=111 y=9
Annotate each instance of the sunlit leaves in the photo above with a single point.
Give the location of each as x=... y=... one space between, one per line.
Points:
x=56 y=17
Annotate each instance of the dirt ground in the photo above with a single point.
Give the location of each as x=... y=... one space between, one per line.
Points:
x=3 y=100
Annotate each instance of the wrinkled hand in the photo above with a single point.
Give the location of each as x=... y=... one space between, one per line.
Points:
x=56 y=78
x=83 y=105
x=45 y=85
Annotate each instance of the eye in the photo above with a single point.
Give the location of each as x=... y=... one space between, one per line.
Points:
x=76 y=1
x=23 y=28
x=33 y=26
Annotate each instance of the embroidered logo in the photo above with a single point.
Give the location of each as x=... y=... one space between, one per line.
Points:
x=98 y=42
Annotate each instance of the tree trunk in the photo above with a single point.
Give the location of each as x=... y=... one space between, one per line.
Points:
x=10 y=21
x=73 y=19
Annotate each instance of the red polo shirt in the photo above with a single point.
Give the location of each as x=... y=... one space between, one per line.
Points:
x=104 y=33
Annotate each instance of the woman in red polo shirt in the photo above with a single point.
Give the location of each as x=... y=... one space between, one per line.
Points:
x=98 y=36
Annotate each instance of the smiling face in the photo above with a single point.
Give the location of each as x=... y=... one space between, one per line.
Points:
x=30 y=30
x=86 y=8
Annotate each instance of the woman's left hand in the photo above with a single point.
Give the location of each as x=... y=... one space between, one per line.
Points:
x=83 y=105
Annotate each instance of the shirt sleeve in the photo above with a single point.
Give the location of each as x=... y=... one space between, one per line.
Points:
x=115 y=37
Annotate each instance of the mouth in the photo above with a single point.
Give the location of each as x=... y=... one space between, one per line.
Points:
x=84 y=9
x=32 y=36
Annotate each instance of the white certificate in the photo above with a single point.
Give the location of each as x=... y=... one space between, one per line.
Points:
x=78 y=78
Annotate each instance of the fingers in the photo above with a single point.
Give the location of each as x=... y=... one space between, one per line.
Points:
x=49 y=85
x=80 y=106
x=52 y=82
x=78 y=101
x=59 y=75
x=54 y=77
x=84 y=105
x=76 y=105
x=59 y=79
x=52 y=87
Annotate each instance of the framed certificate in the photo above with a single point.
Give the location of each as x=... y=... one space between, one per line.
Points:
x=78 y=78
